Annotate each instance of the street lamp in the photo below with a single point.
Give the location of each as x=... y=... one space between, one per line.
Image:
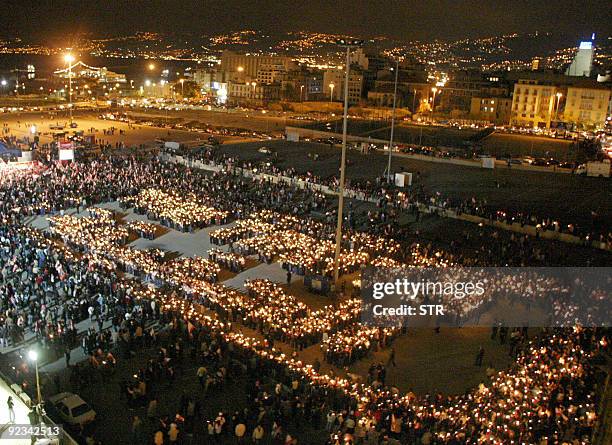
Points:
x=331 y=93
x=33 y=355
x=559 y=95
x=434 y=90
x=348 y=44
x=301 y=92
x=69 y=58
x=151 y=66
x=182 y=88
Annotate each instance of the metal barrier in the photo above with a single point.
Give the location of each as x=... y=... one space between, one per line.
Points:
x=602 y=427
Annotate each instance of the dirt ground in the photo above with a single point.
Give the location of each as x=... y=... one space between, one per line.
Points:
x=20 y=125
x=497 y=144
x=565 y=196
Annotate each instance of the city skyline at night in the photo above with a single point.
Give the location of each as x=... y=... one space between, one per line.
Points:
x=404 y=20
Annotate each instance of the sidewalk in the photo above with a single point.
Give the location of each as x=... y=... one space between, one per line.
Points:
x=21 y=411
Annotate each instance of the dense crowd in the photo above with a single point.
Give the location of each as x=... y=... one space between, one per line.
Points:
x=229 y=260
x=142 y=229
x=550 y=297
x=54 y=282
x=354 y=343
x=302 y=247
x=173 y=210
x=547 y=395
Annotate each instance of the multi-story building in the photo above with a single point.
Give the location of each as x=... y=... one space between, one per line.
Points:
x=376 y=63
x=313 y=82
x=249 y=65
x=303 y=84
x=411 y=86
x=461 y=87
x=583 y=61
x=204 y=78
x=271 y=73
x=586 y=107
x=383 y=96
x=494 y=109
x=252 y=92
x=534 y=103
x=359 y=57
x=541 y=98
x=333 y=85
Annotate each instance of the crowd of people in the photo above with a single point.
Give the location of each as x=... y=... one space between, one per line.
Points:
x=549 y=392
x=228 y=260
x=550 y=297
x=142 y=229
x=302 y=247
x=280 y=316
x=388 y=196
x=344 y=347
x=184 y=213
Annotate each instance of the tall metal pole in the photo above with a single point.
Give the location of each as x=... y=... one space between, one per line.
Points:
x=392 y=122
x=37 y=384
x=70 y=89
x=342 y=167
x=434 y=90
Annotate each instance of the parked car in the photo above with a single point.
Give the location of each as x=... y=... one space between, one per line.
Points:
x=528 y=160
x=581 y=170
x=72 y=408
x=265 y=150
x=569 y=165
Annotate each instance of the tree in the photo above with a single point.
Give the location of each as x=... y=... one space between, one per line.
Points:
x=188 y=88
x=290 y=92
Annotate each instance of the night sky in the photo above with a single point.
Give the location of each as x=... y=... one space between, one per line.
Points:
x=424 y=19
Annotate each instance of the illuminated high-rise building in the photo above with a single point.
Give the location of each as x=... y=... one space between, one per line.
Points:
x=583 y=61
